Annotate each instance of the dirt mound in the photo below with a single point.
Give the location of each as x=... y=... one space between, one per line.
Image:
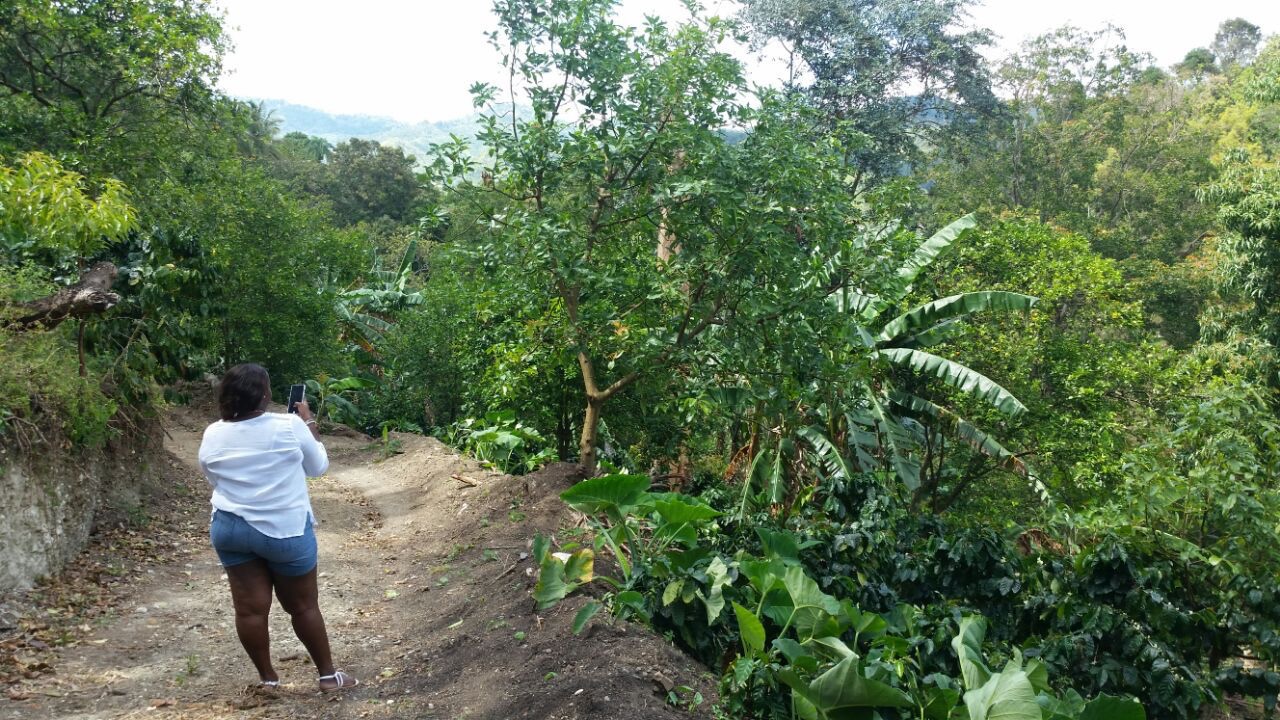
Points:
x=425 y=584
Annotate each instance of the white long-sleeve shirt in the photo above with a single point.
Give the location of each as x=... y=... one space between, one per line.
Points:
x=259 y=468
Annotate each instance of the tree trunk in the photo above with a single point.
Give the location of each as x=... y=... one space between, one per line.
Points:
x=90 y=296
x=587 y=459
x=563 y=433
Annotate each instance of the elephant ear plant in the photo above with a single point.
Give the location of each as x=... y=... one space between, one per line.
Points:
x=827 y=658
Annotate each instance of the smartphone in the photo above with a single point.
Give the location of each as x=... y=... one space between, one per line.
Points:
x=297 y=394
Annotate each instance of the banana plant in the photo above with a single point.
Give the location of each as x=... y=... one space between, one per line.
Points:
x=882 y=426
x=364 y=311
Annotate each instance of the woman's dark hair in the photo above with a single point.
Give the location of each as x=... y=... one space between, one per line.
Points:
x=242 y=390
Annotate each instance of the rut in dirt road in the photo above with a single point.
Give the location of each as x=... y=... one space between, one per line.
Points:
x=424 y=584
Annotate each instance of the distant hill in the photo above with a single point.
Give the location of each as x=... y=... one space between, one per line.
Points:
x=413 y=138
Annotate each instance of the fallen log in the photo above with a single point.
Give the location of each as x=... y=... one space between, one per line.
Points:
x=90 y=296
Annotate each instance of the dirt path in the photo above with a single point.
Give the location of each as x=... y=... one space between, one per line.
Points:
x=424 y=584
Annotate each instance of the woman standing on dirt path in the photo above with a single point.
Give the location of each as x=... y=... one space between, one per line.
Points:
x=258 y=463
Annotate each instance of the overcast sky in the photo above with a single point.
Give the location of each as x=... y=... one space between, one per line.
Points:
x=414 y=59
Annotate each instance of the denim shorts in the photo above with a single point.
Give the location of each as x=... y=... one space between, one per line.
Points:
x=237 y=542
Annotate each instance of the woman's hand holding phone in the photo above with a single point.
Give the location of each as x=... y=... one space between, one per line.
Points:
x=303 y=410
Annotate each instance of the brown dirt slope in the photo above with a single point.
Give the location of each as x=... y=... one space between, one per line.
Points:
x=425 y=586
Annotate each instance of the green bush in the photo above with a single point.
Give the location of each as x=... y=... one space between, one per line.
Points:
x=501 y=442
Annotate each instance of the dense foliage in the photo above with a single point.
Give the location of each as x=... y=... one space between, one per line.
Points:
x=921 y=386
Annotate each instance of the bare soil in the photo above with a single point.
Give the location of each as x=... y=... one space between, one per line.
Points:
x=425 y=584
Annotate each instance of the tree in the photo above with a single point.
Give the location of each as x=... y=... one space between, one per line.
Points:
x=1096 y=143
x=259 y=128
x=630 y=231
x=306 y=147
x=106 y=75
x=1248 y=199
x=1084 y=364
x=1198 y=63
x=891 y=75
x=47 y=214
x=368 y=181
x=1236 y=43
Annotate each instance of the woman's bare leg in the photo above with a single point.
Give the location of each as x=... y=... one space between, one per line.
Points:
x=301 y=599
x=251 y=594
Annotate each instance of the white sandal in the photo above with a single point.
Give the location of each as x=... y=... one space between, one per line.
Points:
x=342 y=679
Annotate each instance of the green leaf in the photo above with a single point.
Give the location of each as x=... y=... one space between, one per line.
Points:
x=1038 y=674
x=632 y=600
x=922 y=258
x=764 y=575
x=682 y=511
x=751 y=630
x=892 y=434
x=930 y=249
x=1107 y=707
x=1067 y=707
x=552 y=585
x=584 y=615
x=968 y=646
x=718 y=574
x=540 y=547
x=844 y=686
x=907 y=327
x=672 y=592
x=833 y=461
x=834 y=646
x=809 y=605
x=972 y=436
x=614 y=495
x=1006 y=696
x=958 y=376
x=804 y=709
x=780 y=544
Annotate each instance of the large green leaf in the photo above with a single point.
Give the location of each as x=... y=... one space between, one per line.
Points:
x=1066 y=707
x=971 y=435
x=844 y=688
x=1106 y=707
x=930 y=249
x=910 y=325
x=584 y=616
x=809 y=605
x=781 y=544
x=899 y=443
x=962 y=429
x=764 y=575
x=614 y=495
x=680 y=511
x=830 y=457
x=718 y=575
x=1005 y=696
x=957 y=376
x=922 y=258
x=968 y=646
x=751 y=630
x=552 y=585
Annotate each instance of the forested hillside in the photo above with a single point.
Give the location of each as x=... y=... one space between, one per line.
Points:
x=414 y=138
x=945 y=388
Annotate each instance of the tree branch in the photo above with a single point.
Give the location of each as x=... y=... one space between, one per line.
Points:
x=90 y=296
